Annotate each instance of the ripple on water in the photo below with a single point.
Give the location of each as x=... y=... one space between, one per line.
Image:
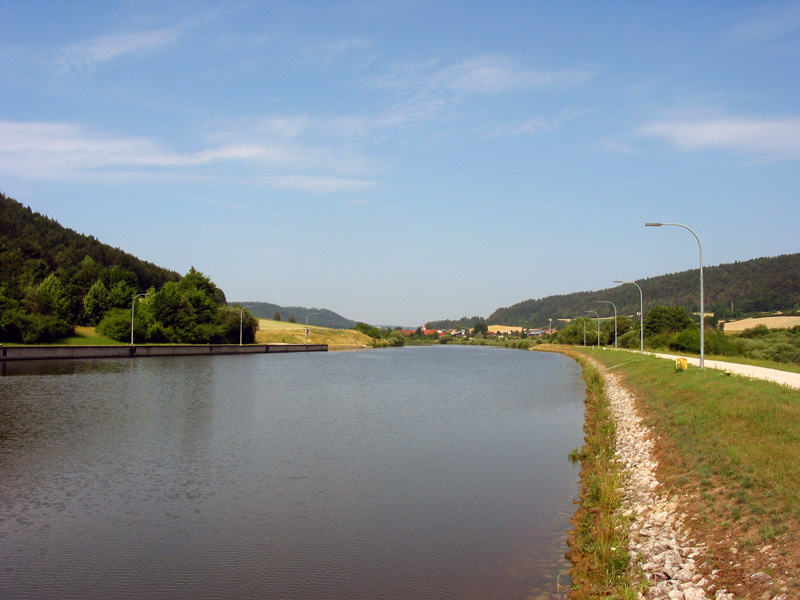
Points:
x=422 y=472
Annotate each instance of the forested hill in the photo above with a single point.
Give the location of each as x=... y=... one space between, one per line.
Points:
x=33 y=245
x=758 y=285
x=316 y=316
x=731 y=290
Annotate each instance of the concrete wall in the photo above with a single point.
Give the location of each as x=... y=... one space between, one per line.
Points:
x=8 y=353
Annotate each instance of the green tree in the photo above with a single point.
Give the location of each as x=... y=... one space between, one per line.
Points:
x=667 y=319
x=229 y=325
x=480 y=328
x=121 y=294
x=172 y=313
x=48 y=297
x=116 y=324
x=369 y=330
x=95 y=303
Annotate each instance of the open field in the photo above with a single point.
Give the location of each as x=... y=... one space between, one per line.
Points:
x=771 y=322
x=503 y=328
x=281 y=332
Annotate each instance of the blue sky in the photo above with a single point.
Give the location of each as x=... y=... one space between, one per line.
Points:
x=404 y=161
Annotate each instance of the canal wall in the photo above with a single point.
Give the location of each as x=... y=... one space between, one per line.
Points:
x=9 y=353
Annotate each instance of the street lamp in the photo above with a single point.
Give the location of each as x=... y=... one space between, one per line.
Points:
x=598 y=325
x=641 y=315
x=702 y=308
x=133 y=306
x=615 y=319
x=583 y=320
x=241 y=317
x=308 y=315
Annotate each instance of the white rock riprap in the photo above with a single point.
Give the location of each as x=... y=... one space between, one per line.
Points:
x=659 y=539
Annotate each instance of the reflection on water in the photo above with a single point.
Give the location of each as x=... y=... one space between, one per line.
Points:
x=410 y=473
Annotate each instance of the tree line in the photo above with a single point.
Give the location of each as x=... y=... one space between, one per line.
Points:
x=735 y=290
x=52 y=279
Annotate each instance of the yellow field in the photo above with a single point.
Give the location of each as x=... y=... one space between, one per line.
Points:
x=281 y=332
x=503 y=329
x=771 y=322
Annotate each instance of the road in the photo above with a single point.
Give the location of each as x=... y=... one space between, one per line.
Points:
x=785 y=377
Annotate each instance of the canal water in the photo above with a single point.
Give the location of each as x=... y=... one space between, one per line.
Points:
x=423 y=472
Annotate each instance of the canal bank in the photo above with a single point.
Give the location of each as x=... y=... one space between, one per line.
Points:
x=15 y=353
x=688 y=530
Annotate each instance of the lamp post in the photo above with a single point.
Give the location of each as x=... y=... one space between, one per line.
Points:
x=615 y=319
x=641 y=315
x=702 y=308
x=598 y=325
x=241 y=318
x=583 y=320
x=133 y=307
x=308 y=315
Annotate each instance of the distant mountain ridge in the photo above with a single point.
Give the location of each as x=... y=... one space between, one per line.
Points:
x=736 y=289
x=316 y=316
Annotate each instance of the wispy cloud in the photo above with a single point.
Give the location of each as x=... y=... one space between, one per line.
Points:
x=769 y=25
x=68 y=151
x=318 y=184
x=494 y=74
x=484 y=74
x=356 y=52
x=762 y=139
x=91 y=53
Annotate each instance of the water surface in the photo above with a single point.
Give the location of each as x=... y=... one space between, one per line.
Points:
x=434 y=472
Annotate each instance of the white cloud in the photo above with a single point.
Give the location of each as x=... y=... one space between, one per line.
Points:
x=769 y=25
x=88 y=54
x=355 y=51
x=485 y=74
x=63 y=150
x=528 y=127
x=498 y=74
x=319 y=184
x=763 y=139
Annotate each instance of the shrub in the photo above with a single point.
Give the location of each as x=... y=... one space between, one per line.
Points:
x=685 y=341
x=629 y=339
x=659 y=341
x=721 y=344
x=117 y=326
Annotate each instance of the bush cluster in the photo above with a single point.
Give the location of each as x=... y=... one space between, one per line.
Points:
x=672 y=329
x=188 y=312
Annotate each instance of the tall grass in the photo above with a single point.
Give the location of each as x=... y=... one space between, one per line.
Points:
x=600 y=541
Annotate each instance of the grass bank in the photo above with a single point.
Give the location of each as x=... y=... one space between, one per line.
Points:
x=599 y=541
x=729 y=448
x=280 y=332
x=270 y=332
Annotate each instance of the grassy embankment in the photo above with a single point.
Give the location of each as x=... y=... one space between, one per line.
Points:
x=270 y=332
x=280 y=332
x=727 y=446
x=598 y=544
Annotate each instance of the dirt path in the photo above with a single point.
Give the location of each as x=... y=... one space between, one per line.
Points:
x=783 y=377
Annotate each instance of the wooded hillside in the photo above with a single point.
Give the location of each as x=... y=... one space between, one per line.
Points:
x=53 y=278
x=731 y=290
x=33 y=245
